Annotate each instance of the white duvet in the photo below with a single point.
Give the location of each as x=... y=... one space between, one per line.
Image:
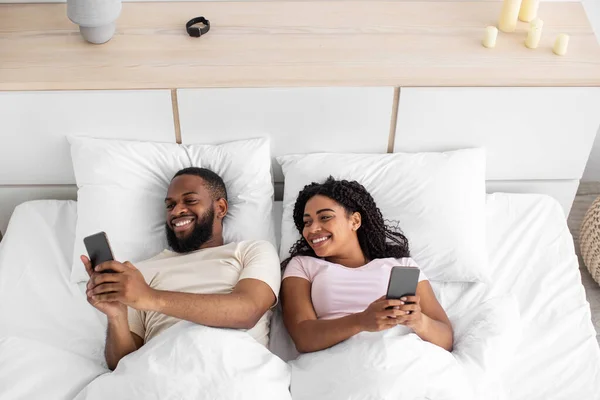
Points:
x=383 y=365
x=397 y=364
x=31 y=369
x=526 y=336
x=190 y=361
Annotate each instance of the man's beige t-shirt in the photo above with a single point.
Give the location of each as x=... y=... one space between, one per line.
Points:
x=214 y=270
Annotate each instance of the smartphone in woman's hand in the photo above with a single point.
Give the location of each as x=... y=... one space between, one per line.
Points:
x=403 y=282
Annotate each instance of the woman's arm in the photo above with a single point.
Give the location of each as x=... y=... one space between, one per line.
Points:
x=428 y=319
x=310 y=334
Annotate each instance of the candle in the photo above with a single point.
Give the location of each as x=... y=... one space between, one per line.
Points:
x=489 y=40
x=534 y=34
x=529 y=9
x=509 y=15
x=561 y=44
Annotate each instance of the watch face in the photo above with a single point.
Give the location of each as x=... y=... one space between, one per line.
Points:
x=204 y=26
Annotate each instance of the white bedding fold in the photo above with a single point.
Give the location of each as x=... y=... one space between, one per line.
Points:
x=486 y=337
x=383 y=365
x=31 y=370
x=394 y=364
x=190 y=361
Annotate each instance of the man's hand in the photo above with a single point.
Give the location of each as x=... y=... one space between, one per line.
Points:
x=125 y=285
x=112 y=309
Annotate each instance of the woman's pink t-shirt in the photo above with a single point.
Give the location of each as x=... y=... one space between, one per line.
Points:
x=338 y=291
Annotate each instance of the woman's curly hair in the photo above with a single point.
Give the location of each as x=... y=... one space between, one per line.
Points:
x=376 y=238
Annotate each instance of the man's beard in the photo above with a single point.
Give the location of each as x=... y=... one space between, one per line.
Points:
x=201 y=234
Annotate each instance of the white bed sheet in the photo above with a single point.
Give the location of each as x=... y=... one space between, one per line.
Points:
x=532 y=257
x=531 y=254
x=51 y=339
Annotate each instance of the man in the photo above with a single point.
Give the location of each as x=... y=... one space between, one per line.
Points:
x=202 y=280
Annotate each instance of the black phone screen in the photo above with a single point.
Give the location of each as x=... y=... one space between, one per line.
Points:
x=403 y=282
x=98 y=249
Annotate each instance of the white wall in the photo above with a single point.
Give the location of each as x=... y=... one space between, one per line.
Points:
x=592 y=7
x=592 y=170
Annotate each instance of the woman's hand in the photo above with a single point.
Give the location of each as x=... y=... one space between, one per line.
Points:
x=410 y=314
x=377 y=317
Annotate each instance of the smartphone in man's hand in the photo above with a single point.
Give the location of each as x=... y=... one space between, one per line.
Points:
x=98 y=249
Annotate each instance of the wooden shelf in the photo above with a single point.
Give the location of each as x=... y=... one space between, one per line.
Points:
x=285 y=44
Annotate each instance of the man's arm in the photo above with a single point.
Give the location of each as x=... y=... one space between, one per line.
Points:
x=242 y=308
x=120 y=341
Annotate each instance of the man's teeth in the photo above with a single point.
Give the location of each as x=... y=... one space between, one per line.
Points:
x=319 y=240
x=182 y=223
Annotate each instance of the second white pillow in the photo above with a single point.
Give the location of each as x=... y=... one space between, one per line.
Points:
x=438 y=199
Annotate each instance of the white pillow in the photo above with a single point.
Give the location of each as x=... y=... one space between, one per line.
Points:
x=123 y=184
x=437 y=198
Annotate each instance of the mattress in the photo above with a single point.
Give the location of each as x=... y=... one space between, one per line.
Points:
x=51 y=340
x=532 y=257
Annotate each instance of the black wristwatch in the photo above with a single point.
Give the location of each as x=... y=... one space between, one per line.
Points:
x=197 y=32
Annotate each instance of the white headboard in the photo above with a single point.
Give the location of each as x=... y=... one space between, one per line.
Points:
x=299 y=120
x=537 y=139
x=35 y=162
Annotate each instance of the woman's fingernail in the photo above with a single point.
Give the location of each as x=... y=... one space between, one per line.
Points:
x=401 y=302
x=403 y=298
x=407 y=312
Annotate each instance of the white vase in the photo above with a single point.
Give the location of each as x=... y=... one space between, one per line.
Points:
x=96 y=18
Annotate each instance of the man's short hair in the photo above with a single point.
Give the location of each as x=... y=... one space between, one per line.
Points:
x=215 y=184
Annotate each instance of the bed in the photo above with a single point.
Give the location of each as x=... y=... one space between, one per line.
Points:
x=51 y=340
x=537 y=130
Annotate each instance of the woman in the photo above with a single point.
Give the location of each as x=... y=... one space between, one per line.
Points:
x=335 y=280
